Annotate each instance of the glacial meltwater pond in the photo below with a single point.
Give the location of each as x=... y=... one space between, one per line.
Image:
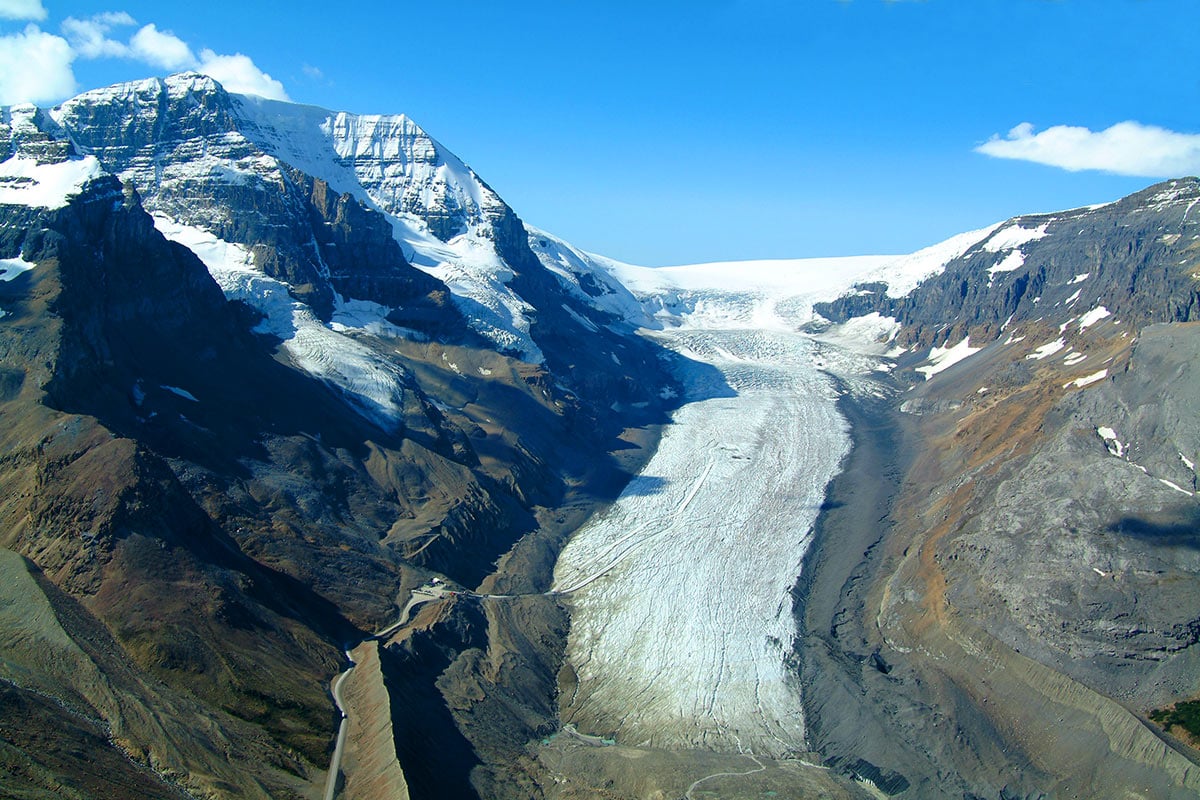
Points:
x=681 y=613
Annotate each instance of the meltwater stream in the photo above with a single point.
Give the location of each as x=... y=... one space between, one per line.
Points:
x=681 y=615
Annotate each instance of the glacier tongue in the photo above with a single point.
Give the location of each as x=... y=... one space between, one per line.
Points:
x=681 y=606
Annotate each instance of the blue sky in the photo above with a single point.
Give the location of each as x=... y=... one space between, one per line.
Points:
x=671 y=132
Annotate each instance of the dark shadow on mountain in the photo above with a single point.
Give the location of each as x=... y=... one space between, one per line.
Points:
x=436 y=758
x=1179 y=530
x=646 y=485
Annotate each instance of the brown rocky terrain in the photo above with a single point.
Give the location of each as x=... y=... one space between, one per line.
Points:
x=1027 y=586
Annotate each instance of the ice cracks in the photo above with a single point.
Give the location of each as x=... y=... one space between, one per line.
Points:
x=681 y=608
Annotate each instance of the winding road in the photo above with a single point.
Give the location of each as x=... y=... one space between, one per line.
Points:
x=422 y=594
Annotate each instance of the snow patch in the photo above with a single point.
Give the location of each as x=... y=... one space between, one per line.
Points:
x=1174 y=486
x=1080 y=278
x=1092 y=317
x=1047 y=350
x=942 y=358
x=1013 y=261
x=184 y=393
x=12 y=267
x=1013 y=237
x=1111 y=441
x=1079 y=383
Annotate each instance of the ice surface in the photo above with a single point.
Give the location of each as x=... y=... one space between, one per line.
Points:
x=681 y=608
x=25 y=182
x=871 y=333
x=748 y=294
x=682 y=617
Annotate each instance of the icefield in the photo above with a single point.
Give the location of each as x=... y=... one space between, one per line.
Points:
x=680 y=592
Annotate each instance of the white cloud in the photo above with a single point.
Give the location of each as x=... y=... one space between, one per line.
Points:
x=22 y=9
x=161 y=49
x=238 y=73
x=1127 y=148
x=90 y=37
x=35 y=67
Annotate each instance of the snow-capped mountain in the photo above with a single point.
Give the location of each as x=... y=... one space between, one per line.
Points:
x=296 y=362
x=336 y=226
x=266 y=370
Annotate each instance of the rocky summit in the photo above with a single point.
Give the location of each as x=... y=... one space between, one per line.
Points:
x=298 y=416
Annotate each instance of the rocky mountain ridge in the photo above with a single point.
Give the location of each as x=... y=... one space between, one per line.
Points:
x=1035 y=581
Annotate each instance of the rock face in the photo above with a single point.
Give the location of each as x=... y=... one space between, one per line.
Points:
x=1036 y=586
x=221 y=469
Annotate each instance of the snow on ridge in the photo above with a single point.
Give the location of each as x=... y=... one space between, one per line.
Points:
x=903 y=274
x=1013 y=236
x=571 y=265
x=25 y=182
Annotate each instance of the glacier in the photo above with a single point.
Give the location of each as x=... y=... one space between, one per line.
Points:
x=680 y=592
